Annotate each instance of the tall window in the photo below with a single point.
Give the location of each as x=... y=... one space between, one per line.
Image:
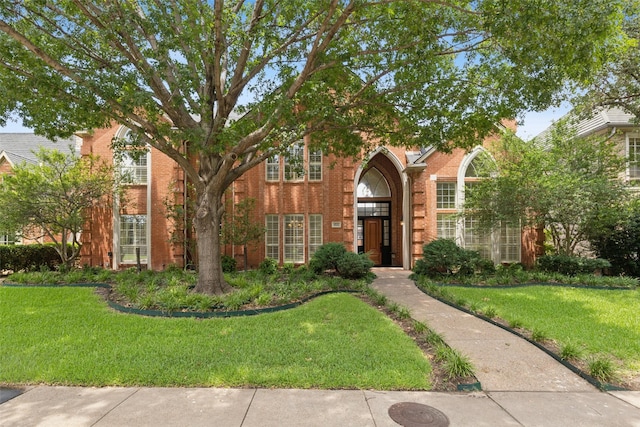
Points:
x=133 y=235
x=315 y=165
x=510 y=243
x=272 y=238
x=501 y=244
x=294 y=238
x=633 y=156
x=132 y=163
x=273 y=168
x=293 y=163
x=315 y=233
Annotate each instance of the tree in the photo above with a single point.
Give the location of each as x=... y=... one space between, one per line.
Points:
x=618 y=84
x=52 y=197
x=567 y=184
x=240 y=81
x=619 y=241
x=239 y=228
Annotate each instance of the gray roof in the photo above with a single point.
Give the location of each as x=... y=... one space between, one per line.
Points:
x=602 y=119
x=606 y=118
x=19 y=147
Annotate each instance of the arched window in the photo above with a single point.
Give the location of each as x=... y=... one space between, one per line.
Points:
x=373 y=184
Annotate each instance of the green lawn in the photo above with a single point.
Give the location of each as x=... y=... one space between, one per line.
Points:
x=70 y=336
x=600 y=322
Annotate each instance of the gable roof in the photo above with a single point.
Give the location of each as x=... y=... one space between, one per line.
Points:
x=605 y=118
x=20 y=147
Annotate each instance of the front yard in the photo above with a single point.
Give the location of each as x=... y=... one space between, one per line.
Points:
x=595 y=329
x=69 y=336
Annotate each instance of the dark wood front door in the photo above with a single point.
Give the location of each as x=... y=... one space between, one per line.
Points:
x=373 y=239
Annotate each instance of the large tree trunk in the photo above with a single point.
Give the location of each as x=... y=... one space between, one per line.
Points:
x=207 y=224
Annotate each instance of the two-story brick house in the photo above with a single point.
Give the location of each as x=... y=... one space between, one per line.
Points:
x=388 y=204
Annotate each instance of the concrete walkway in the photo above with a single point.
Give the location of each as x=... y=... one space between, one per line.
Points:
x=522 y=386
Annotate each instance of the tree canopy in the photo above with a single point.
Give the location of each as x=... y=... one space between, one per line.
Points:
x=567 y=184
x=240 y=81
x=618 y=83
x=50 y=198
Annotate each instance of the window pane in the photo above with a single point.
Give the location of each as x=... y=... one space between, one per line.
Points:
x=510 y=243
x=373 y=184
x=315 y=233
x=133 y=167
x=272 y=237
x=315 y=165
x=133 y=234
x=446 y=195
x=634 y=158
x=293 y=163
x=447 y=226
x=475 y=238
x=294 y=238
x=273 y=168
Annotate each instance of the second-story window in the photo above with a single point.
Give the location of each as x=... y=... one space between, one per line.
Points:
x=132 y=163
x=293 y=163
x=273 y=168
x=315 y=165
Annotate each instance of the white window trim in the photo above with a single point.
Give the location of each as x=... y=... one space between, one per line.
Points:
x=634 y=181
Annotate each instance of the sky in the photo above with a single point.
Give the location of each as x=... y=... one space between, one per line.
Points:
x=531 y=124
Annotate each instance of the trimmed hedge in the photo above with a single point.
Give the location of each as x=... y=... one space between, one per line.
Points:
x=571 y=265
x=28 y=257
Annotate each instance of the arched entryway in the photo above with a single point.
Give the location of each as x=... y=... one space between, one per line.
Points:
x=378 y=210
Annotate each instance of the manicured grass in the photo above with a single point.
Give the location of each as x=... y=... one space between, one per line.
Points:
x=599 y=322
x=69 y=336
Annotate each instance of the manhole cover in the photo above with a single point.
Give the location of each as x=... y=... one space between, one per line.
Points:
x=410 y=414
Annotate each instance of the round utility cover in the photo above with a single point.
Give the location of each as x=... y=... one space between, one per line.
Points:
x=409 y=414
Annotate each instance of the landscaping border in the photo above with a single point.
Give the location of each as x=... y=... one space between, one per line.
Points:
x=183 y=314
x=593 y=381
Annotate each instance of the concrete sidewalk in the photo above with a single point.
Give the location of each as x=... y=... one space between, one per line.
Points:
x=522 y=386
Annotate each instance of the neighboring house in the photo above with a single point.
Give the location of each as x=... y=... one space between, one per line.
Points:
x=622 y=126
x=17 y=148
x=388 y=205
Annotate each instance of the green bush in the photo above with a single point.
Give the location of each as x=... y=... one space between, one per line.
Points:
x=268 y=266
x=354 y=266
x=443 y=257
x=335 y=257
x=326 y=257
x=571 y=265
x=28 y=257
x=228 y=264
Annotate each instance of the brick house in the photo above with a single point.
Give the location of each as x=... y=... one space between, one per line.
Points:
x=388 y=204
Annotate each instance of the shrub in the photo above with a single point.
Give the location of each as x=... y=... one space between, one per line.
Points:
x=335 y=257
x=268 y=266
x=619 y=242
x=28 y=257
x=443 y=257
x=571 y=265
x=326 y=257
x=228 y=264
x=354 y=266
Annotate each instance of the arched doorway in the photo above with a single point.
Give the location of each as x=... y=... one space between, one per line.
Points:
x=379 y=199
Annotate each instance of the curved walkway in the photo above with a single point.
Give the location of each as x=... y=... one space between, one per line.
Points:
x=522 y=386
x=503 y=361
